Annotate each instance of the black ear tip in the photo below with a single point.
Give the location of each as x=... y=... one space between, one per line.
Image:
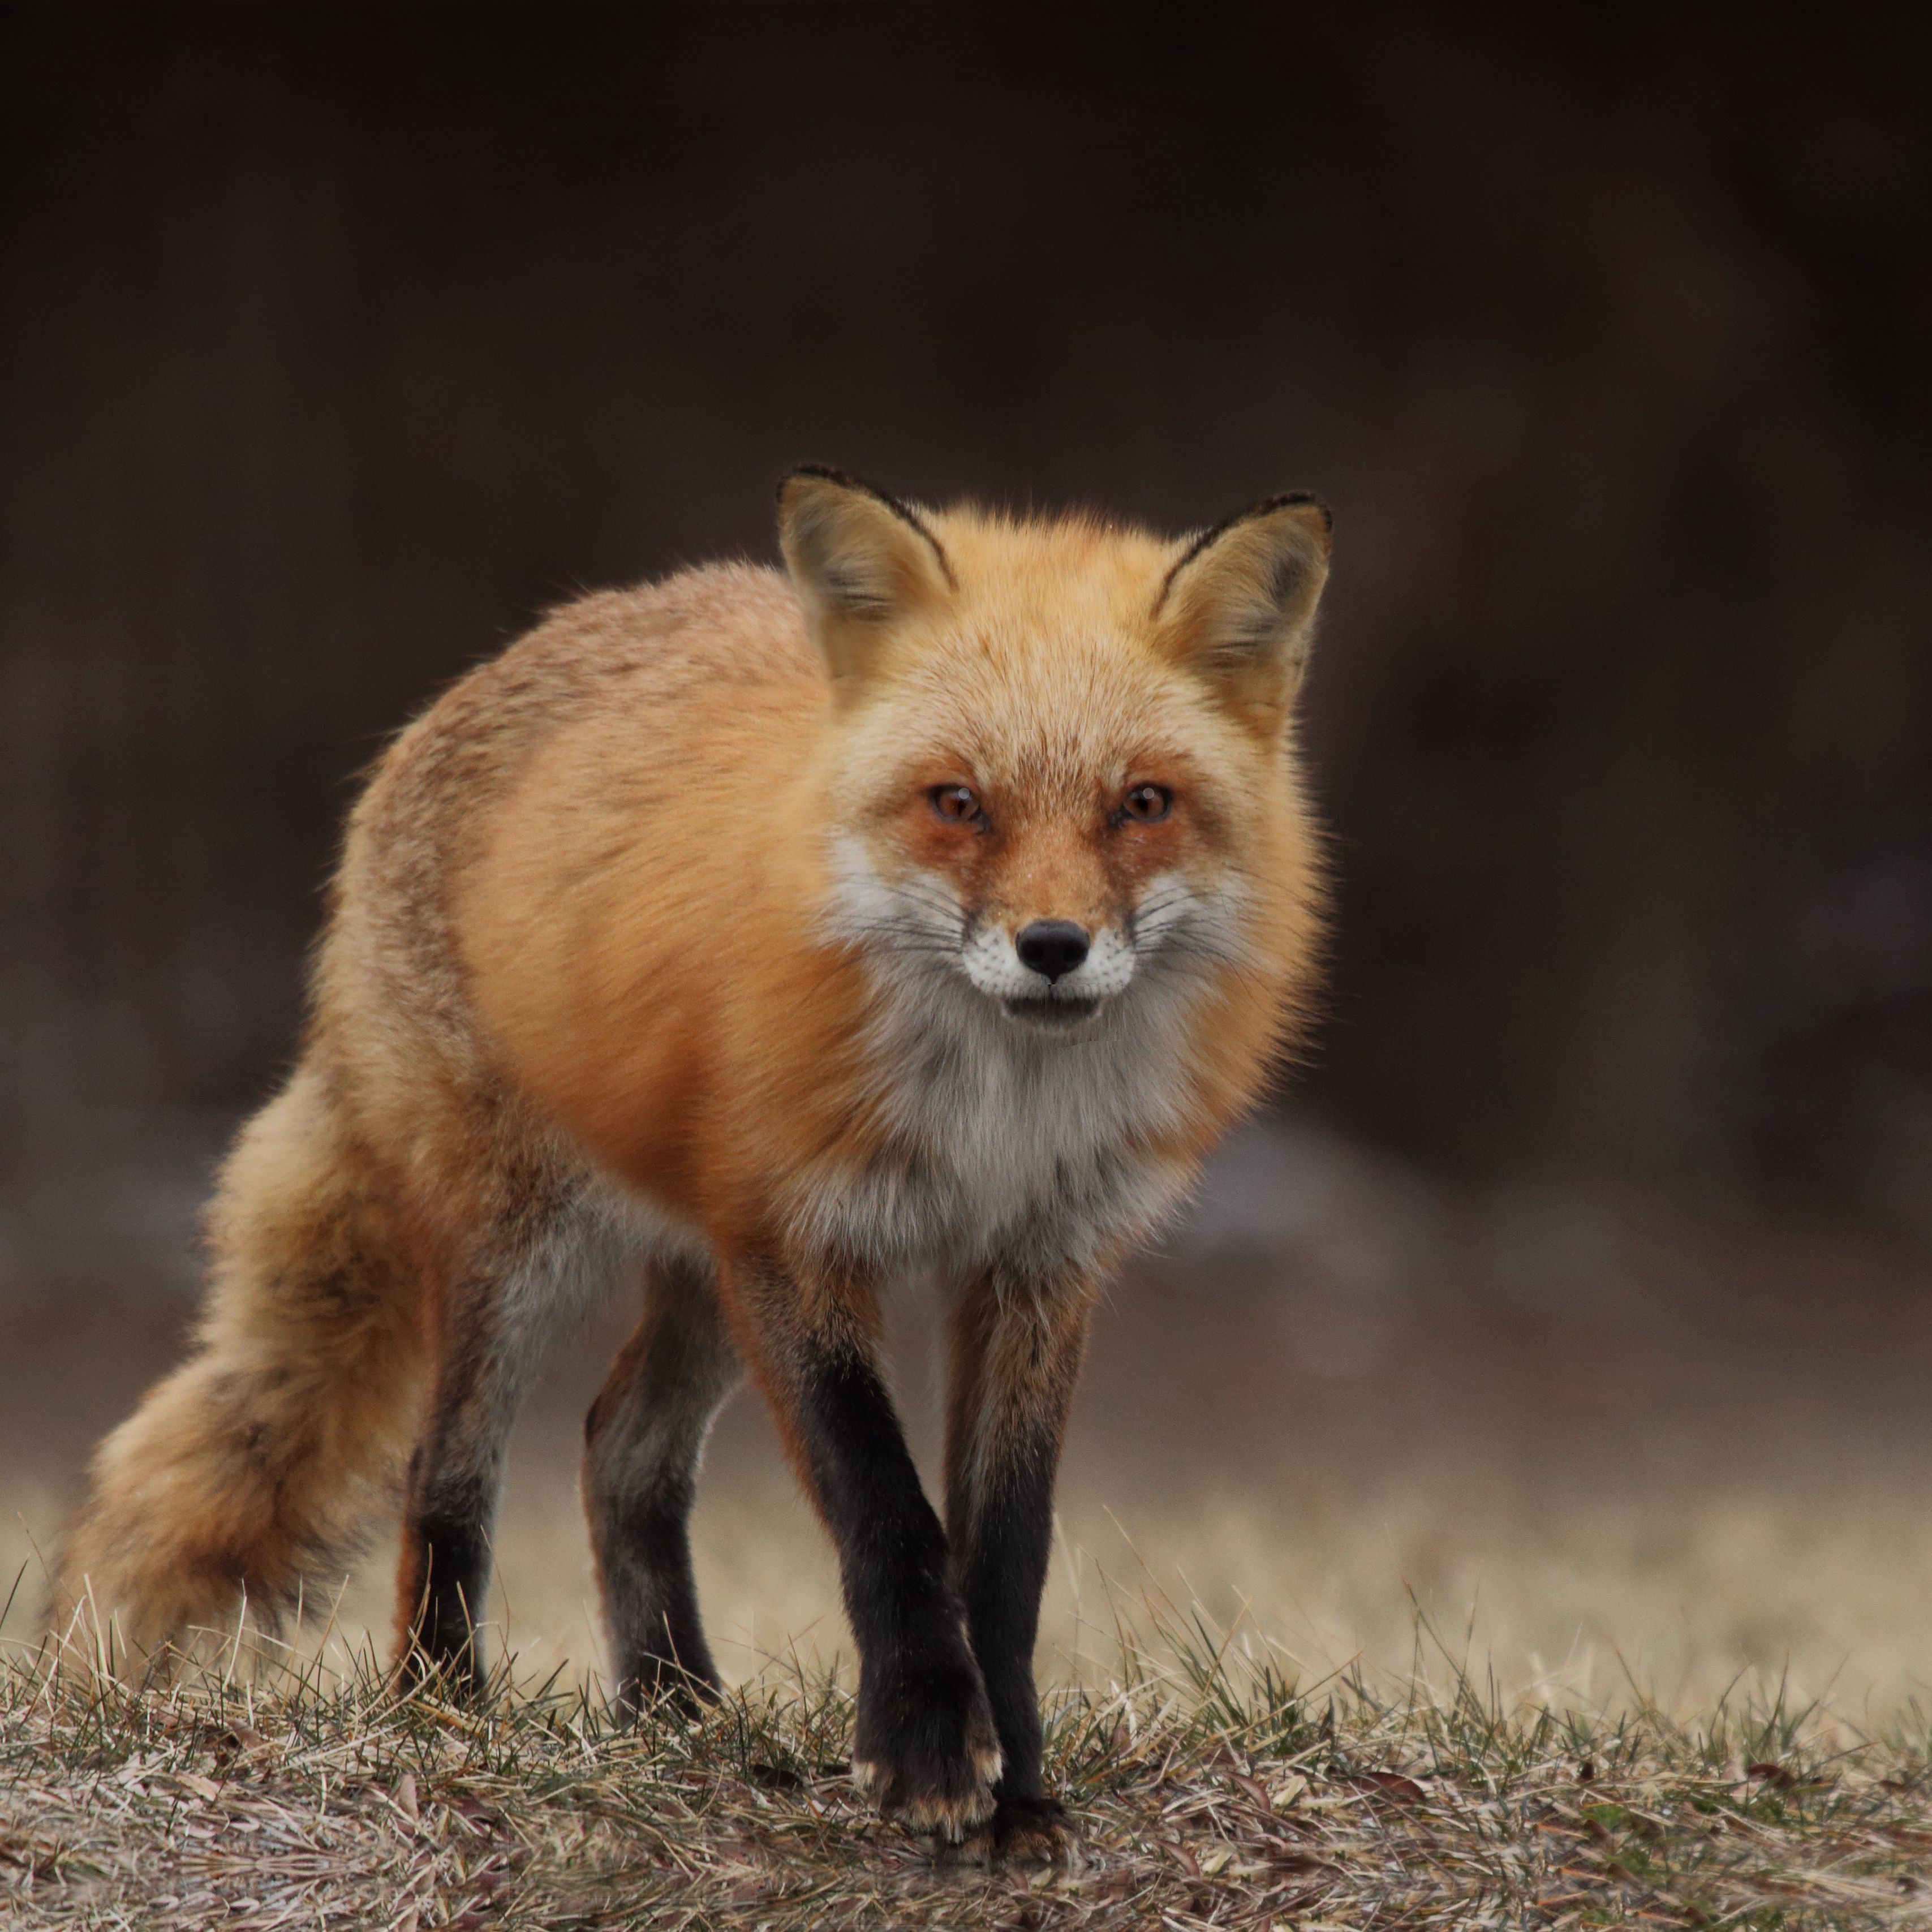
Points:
x=825 y=473
x=1298 y=499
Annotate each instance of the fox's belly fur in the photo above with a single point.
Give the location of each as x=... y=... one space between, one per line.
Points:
x=993 y=1147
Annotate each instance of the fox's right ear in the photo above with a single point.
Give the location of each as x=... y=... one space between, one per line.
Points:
x=861 y=561
x=1237 y=605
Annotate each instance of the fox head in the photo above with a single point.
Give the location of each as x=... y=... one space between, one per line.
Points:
x=1060 y=766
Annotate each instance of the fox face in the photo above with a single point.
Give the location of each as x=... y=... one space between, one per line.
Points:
x=1059 y=772
x=1049 y=876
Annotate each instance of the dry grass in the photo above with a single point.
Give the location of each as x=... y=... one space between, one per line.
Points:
x=1209 y=1790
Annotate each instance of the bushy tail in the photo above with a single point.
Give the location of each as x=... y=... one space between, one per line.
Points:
x=250 y=1473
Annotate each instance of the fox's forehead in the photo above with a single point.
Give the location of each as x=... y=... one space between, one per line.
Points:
x=1016 y=574
x=1047 y=620
x=1042 y=673
x=1050 y=717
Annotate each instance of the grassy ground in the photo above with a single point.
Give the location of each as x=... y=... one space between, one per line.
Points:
x=1207 y=1790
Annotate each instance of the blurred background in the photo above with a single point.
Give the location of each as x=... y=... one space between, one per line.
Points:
x=1577 y=1293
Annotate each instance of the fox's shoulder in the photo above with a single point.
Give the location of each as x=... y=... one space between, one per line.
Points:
x=576 y=695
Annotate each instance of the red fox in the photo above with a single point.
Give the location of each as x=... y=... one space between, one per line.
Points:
x=761 y=937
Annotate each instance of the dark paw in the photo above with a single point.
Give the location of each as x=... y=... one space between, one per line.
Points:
x=453 y=1673
x=1031 y=1830
x=926 y=1749
x=658 y=1683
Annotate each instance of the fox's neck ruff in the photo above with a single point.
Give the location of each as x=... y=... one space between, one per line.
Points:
x=999 y=1139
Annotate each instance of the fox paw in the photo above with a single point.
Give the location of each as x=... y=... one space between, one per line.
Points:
x=1022 y=1831
x=1031 y=1830
x=926 y=1749
x=661 y=1685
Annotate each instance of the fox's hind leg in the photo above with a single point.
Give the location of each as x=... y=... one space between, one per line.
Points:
x=642 y=1440
x=486 y=1359
x=528 y=1247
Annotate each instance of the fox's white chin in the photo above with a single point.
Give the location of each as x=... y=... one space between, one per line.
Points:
x=1064 y=1014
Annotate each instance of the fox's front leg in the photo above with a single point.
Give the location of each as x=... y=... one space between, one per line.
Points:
x=1018 y=1339
x=925 y=1743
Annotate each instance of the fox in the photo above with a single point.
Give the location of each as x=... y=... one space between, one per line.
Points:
x=750 y=941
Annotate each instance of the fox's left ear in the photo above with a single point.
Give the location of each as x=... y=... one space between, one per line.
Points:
x=1238 y=605
x=862 y=561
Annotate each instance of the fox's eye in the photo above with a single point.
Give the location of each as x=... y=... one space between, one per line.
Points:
x=1148 y=804
x=958 y=805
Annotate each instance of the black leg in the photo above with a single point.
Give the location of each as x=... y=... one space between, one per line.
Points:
x=925 y=1742
x=456 y=1476
x=1017 y=1342
x=445 y=1574
x=643 y=1439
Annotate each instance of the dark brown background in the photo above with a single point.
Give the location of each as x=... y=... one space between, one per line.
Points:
x=335 y=343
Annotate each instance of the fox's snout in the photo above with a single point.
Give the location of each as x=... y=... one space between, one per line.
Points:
x=1052 y=947
x=1045 y=967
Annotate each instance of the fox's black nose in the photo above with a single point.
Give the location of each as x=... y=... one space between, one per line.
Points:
x=1053 y=946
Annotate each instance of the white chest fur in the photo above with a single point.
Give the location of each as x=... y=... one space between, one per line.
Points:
x=1005 y=1143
